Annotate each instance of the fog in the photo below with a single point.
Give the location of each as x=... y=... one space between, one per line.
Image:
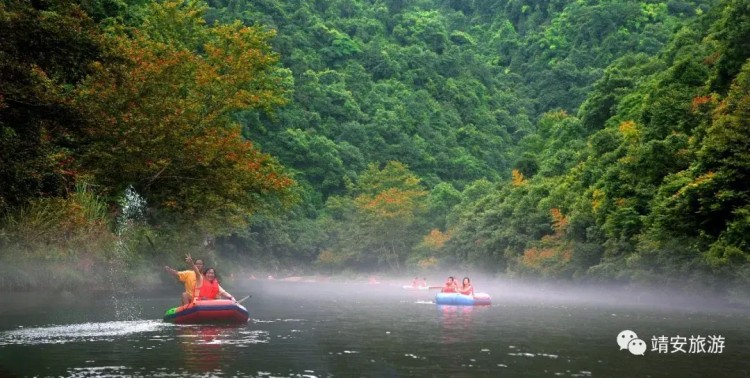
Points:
x=516 y=292
x=242 y=281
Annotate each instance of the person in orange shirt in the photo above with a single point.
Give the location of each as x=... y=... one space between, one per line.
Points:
x=188 y=277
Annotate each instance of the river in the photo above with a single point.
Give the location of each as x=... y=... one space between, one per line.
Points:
x=302 y=329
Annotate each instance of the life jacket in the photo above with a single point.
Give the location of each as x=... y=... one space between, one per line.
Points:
x=451 y=289
x=209 y=290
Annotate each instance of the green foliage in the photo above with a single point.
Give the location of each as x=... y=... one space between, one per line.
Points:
x=323 y=163
x=169 y=129
x=580 y=139
x=148 y=98
x=732 y=32
x=395 y=96
x=57 y=228
x=618 y=81
x=658 y=191
x=378 y=223
x=45 y=52
x=442 y=201
x=711 y=196
x=554 y=149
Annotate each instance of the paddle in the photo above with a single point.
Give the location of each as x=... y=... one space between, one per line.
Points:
x=243 y=299
x=434 y=287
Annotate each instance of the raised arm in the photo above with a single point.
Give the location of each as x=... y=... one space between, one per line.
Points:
x=198 y=273
x=172 y=271
x=192 y=265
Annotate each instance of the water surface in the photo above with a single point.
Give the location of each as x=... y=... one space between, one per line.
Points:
x=334 y=329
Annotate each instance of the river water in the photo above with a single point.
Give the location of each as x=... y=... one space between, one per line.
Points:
x=335 y=330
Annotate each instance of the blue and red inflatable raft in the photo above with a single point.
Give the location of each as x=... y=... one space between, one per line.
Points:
x=208 y=311
x=478 y=299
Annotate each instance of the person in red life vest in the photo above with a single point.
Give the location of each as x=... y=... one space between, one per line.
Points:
x=207 y=286
x=466 y=288
x=415 y=283
x=450 y=286
x=423 y=283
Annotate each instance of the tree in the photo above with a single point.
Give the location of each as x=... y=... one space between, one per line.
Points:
x=711 y=196
x=47 y=48
x=163 y=121
x=388 y=202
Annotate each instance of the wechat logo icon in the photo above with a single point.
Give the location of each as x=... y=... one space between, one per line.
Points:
x=627 y=339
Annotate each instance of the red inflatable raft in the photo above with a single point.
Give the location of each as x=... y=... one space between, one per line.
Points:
x=208 y=311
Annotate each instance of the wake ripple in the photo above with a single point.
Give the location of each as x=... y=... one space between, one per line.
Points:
x=83 y=332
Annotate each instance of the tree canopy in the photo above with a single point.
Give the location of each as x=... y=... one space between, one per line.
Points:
x=567 y=139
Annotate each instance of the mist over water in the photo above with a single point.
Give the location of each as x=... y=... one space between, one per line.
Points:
x=502 y=290
x=372 y=326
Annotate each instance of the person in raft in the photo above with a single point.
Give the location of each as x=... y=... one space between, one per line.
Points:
x=188 y=277
x=207 y=287
x=415 y=283
x=450 y=286
x=423 y=283
x=466 y=288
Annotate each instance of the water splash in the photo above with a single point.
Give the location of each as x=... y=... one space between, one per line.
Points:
x=132 y=215
x=132 y=210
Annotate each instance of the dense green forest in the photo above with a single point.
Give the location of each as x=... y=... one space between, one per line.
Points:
x=564 y=139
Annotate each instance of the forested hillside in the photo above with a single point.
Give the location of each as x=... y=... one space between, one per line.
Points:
x=657 y=190
x=569 y=139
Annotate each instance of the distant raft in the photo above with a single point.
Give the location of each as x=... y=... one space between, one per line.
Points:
x=208 y=311
x=478 y=299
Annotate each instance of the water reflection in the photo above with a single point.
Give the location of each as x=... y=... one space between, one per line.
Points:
x=456 y=323
x=210 y=348
x=457 y=332
x=202 y=347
